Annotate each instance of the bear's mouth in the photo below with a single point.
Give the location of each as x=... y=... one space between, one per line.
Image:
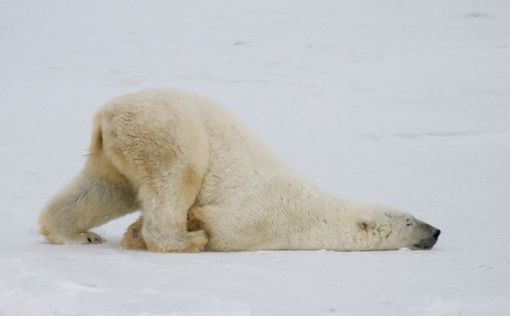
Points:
x=429 y=242
x=424 y=245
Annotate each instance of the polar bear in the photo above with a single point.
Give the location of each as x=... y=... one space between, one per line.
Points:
x=203 y=181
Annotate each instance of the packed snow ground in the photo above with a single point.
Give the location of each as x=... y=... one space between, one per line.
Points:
x=404 y=102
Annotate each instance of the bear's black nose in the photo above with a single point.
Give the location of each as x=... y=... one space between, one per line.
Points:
x=437 y=232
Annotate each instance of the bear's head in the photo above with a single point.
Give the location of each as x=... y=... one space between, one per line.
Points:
x=387 y=229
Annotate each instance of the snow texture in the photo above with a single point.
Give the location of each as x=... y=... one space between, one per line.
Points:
x=403 y=102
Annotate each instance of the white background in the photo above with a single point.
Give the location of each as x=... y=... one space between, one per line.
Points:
x=404 y=102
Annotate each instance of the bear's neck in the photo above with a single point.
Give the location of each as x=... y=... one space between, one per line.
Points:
x=318 y=220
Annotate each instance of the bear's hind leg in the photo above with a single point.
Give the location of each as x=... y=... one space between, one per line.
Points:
x=165 y=209
x=87 y=202
x=99 y=194
x=164 y=150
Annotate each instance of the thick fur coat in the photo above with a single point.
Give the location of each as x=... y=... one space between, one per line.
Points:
x=203 y=181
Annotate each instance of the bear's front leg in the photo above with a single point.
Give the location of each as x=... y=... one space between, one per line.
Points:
x=133 y=236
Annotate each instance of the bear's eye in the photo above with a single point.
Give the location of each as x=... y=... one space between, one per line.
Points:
x=363 y=226
x=409 y=222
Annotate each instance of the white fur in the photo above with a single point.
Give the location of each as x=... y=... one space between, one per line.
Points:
x=178 y=156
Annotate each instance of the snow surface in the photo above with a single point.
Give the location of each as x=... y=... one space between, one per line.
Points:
x=404 y=102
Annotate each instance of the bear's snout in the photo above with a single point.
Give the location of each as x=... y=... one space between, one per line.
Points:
x=437 y=233
x=430 y=240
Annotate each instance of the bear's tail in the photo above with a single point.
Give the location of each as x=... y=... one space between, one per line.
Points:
x=96 y=143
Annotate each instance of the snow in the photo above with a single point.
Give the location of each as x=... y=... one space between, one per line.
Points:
x=404 y=102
